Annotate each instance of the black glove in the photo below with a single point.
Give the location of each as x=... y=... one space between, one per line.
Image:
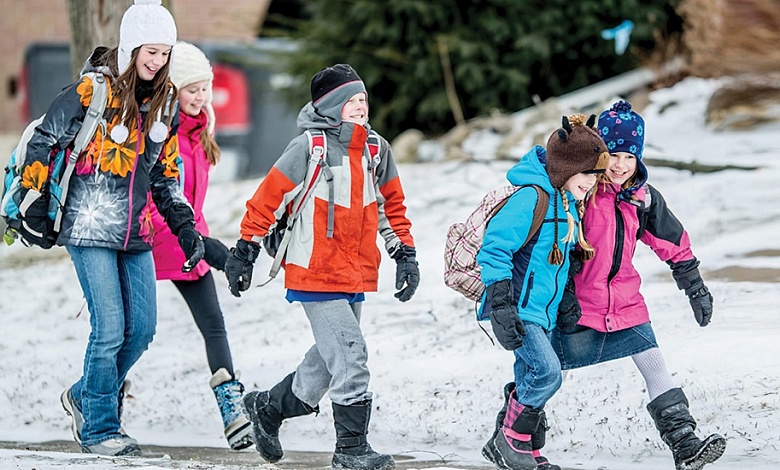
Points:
x=406 y=272
x=191 y=243
x=38 y=228
x=216 y=253
x=506 y=323
x=239 y=266
x=569 y=311
x=701 y=302
x=686 y=274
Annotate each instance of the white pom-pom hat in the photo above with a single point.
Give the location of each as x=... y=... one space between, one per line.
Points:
x=145 y=22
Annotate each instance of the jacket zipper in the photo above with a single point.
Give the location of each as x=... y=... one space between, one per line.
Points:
x=132 y=180
x=528 y=290
x=619 y=235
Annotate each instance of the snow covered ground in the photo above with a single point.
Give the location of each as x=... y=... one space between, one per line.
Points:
x=436 y=376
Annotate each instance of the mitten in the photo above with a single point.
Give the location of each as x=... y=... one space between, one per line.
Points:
x=406 y=272
x=239 y=266
x=216 y=253
x=504 y=318
x=569 y=311
x=191 y=243
x=686 y=275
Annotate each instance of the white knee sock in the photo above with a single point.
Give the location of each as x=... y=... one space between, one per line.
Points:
x=652 y=367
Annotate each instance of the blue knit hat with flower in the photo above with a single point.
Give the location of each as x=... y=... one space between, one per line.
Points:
x=623 y=130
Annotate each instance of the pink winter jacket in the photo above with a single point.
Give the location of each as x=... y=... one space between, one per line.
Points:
x=168 y=256
x=608 y=285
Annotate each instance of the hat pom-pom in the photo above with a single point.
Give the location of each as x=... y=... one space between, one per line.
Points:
x=158 y=132
x=148 y=2
x=621 y=106
x=119 y=133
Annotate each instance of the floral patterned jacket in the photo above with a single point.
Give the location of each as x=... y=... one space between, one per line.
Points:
x=108 y=202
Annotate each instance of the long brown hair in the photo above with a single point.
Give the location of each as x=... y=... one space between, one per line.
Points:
x=126 y=84
x=210 y=146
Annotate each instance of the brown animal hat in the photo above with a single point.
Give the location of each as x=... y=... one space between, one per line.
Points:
x=575 y=148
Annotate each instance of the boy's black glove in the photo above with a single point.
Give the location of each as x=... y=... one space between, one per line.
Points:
x=686 y=274
x=239 y=266
x=506 y=323
x=569 y=310
x=406 y=272
x=216 y=253
x=191 y=243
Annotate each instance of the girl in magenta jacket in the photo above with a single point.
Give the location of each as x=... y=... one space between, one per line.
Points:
x=192 y=75
x=603 y=316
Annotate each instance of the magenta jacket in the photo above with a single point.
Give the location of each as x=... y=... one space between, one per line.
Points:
x=168 y=256
x=608 y=285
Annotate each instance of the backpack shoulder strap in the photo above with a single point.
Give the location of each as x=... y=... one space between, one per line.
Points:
x=92 y=119
x=540 y=210
x=374 y=144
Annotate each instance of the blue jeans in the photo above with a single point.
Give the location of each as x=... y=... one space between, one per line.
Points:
x=121 y=297
x=537 y=369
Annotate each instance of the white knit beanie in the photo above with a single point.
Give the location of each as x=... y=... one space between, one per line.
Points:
x=145 y=22
x=189 y=65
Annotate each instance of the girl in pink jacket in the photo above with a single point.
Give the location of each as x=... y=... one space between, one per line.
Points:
x=192 y=75
x=602 y=315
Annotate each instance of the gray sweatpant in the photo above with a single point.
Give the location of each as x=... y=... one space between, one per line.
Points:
x=336 y=364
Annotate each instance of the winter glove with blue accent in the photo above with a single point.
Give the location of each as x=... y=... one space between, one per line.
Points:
x=506 y=323
x=216 y=253
x=191 y=243
x=239 y=266
x=569 y=311
x=406 y=272
x=686 y=274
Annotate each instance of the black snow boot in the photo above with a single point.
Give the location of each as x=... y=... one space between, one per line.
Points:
x=352 y=449
x=538 y=439
x=672 y=419
x=266 y=410
x=487 y=449
x=510 y=448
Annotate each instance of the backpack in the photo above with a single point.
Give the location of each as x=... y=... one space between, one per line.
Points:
x=461 y=271
x=278 y=238
x=55 y=189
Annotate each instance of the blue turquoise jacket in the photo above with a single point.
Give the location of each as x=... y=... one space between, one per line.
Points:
x=537 y=284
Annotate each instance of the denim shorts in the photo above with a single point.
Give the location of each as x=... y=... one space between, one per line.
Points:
x=586 y=346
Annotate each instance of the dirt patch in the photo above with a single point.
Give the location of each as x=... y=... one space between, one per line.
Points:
x=742 y=274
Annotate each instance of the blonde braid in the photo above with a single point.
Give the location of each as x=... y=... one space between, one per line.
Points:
x=569 y=220
x=588 y=252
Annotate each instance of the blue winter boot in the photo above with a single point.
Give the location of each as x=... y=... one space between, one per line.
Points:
x=229 y=392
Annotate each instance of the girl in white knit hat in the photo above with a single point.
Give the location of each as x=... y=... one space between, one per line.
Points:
x=192 y=75
x=106 y=223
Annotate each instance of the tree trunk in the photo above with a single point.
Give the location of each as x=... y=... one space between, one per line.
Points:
x=93 y=23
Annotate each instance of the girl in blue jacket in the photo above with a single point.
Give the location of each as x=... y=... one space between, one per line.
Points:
x=525 y=283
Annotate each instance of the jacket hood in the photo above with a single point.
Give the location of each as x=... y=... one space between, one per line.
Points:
x=308 y=118
x=96 y=62
x=531 y=170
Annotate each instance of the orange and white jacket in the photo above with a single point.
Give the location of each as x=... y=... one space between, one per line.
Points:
x=347 y=262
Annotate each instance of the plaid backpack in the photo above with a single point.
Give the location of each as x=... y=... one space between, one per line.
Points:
x=461 y=271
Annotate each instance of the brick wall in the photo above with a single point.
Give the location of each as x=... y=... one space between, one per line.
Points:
x=26 y=21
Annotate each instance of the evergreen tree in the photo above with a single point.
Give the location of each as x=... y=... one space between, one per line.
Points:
x=500 y=53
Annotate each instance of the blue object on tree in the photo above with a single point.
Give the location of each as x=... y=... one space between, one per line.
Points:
x=621 y=34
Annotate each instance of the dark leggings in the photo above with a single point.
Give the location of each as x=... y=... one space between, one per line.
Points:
x=201 y=297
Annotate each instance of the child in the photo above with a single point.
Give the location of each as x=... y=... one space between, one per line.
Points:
x=192 y=75
x=331 y=262
x=525 y=283
x=105 y=220
x=611 y=319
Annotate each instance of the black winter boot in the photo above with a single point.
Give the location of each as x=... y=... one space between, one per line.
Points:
x=266 y=410
x=352 y=449
x=511 y=448
x=538 y=439
x=672 y=419
x=487 y=449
